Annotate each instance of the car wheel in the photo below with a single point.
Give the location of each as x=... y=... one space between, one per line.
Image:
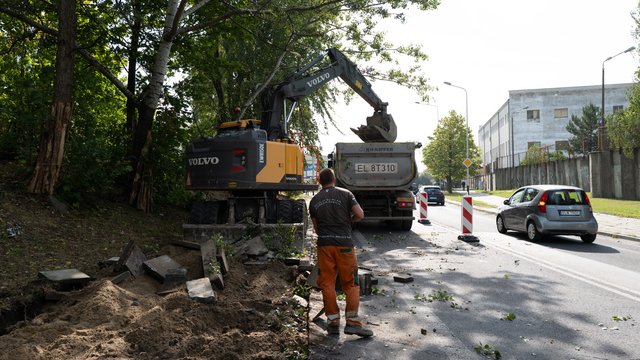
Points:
x=588 y=238
x=500 y=225
x=532 y=232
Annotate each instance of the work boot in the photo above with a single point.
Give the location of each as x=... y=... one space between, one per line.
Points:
x=357 y=330
x=333 y=327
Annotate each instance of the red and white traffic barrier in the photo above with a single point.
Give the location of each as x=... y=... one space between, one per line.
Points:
x=467 y=214
x=423 y=208
x=467 y=220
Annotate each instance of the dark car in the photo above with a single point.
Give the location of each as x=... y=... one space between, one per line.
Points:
x=539 y=210
x=434 y=194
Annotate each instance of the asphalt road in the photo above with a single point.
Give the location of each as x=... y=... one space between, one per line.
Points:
x=570 y=300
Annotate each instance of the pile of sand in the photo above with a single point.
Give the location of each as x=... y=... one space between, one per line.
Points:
x=250 y=320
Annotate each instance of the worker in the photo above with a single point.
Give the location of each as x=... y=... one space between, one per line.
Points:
x=333 y=210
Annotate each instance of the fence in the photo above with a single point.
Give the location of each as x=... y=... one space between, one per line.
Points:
x=607 y=174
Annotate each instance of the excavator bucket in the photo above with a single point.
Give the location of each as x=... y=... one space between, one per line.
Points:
x=380 y=128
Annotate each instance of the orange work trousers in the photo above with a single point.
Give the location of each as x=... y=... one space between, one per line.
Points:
x=340 y=261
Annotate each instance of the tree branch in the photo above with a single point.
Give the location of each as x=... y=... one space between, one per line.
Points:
x=29 y=21
x=219 y=19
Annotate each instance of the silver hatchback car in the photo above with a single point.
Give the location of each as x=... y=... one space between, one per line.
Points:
x=539 y=210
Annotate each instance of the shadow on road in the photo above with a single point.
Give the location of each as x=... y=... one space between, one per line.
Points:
x=568 y=243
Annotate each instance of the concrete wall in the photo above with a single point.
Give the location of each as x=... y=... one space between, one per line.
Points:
x=607 y=174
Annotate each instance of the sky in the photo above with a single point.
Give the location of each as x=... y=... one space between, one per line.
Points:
x=489 y=47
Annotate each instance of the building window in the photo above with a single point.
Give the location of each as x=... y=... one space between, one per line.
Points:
x=562 y=145
x=617 y=108
x=533 y=115
x=561 y=113
x=531 y=144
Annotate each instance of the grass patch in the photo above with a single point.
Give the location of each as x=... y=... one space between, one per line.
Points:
x=458 y=197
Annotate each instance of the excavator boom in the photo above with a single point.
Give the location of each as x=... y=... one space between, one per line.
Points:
x=380 y=127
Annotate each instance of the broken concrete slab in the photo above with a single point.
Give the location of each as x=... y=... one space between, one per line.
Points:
x=364 y=280
x=290 y=261
x=121 y=277
x=109 y=262
x=305 y=265
x=135 y=261
x=159 y=267
x=175 y=277
x=210 y=264
x=403 y=278
x=222 y=261
x=302 y=302
x=312 y=280
x=128 y=248
x=187 y=244
x=59 y=205
x=255 y=247
x=65 y=276
x=201 y=290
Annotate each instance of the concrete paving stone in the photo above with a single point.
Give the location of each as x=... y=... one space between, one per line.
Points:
x=175 y=277
x=290 y=261
x=187 y=244
x=255 y=247
x=109 y=262
x=222 y=261
x=201 y=290
x=312 y=279
x=124 y=255
x=135 y=261
x=159 y=267
x=65 y=276
x=126 y=275
x=210 y=265
x=403 y=278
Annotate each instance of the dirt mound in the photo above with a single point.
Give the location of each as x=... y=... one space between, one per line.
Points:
x=251 y=319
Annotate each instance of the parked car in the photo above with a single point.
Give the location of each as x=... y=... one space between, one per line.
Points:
x=434 y=194
x=542 y=210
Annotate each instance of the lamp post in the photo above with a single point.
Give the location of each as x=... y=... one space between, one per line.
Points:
x=466 y=118
x=601 y=130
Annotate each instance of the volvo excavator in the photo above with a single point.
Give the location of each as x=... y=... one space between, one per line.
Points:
x=251 y=161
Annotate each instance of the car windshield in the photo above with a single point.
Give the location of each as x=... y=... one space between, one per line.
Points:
x=567 y=197
x=432 y=190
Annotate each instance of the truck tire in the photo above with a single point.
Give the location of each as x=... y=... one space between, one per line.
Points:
x=204 y=212
x=285 y=211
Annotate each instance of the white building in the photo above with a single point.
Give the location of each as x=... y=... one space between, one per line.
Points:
x=539 y=117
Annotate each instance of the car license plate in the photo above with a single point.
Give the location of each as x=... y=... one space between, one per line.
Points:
x=377 y=168
x=433 y=198
x=570 y=212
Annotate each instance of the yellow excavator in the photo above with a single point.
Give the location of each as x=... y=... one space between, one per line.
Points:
x=252 y=160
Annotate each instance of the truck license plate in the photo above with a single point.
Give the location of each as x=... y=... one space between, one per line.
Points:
x=570 y=212
x=377 y=168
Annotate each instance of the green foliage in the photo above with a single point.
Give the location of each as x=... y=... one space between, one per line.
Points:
x=211 y=71
x=535 y=155
x=446 y=150
x=509 y=316
x=584 y=130
x=623 y=127
x=487 y=350
x=621 y=318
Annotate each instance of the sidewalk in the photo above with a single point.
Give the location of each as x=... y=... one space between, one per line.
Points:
x=608 y=225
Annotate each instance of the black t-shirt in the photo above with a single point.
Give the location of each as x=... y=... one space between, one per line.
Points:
x=331 y=208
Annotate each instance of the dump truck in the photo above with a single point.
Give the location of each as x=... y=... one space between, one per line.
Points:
x=380 y=177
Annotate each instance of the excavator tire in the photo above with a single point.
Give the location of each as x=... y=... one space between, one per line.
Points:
x=285 y=211
x=204 y=212
x=298 y=213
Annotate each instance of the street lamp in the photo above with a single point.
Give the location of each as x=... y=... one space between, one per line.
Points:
x=601 y=131
x=466 y=118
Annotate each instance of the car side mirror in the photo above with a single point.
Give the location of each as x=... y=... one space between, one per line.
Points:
x=506 y=202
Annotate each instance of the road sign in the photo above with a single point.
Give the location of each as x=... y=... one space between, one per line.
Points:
x=467 y=162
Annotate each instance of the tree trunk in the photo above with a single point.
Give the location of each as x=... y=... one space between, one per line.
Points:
x=52 y=139
x=133 y=64
x=140 y=193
